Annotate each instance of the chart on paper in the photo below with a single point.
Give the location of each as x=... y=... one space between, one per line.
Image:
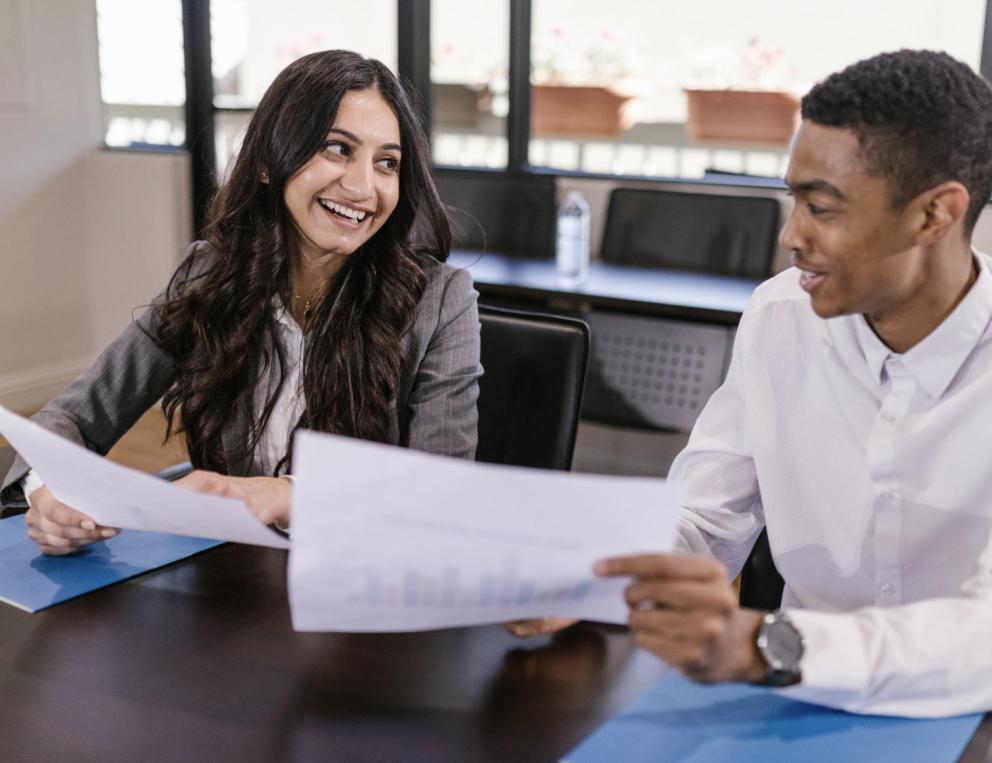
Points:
x=448 y=587
x=388 y=539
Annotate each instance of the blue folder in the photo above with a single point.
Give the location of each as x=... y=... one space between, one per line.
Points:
x=678 y=720
x=32 y=581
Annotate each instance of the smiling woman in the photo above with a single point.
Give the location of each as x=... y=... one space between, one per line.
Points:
x=319 y=299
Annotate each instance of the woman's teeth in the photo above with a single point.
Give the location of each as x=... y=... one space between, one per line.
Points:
x=352 y=214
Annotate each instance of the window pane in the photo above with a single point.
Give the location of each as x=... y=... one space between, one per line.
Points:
x=142 y=77
x=469 y=62
x=253 y=40
x=634 y=95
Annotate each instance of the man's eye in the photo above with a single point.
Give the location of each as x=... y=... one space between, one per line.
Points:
x=815 y=210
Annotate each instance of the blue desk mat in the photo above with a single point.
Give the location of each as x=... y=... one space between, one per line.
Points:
x=33 y=581
x=678 y=720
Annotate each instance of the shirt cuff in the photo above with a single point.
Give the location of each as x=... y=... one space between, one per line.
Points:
x=29 y=483
x=834 y=665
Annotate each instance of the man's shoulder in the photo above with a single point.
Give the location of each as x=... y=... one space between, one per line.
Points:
x=780 y=292
x=779 y=316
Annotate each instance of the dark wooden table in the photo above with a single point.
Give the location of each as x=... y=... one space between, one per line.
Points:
x=198 y=662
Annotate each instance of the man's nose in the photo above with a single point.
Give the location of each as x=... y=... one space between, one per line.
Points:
x=790 y=236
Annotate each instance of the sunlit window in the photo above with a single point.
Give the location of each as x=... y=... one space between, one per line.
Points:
x=142 y=77
x=253 y=40
x=469 y=63
x=686 y=89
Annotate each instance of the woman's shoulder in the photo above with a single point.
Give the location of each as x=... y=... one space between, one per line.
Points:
x=443 y=275
x=446 y=284
x=199 y=259
x=448 y=297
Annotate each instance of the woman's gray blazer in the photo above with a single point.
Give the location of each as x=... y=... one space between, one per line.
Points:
x=435 y=406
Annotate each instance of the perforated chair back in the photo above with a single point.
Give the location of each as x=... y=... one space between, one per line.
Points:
x=530 y=393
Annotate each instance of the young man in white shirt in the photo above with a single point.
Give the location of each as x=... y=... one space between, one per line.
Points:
x=855 y=420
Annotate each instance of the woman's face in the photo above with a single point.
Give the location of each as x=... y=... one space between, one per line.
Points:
x=341 y=197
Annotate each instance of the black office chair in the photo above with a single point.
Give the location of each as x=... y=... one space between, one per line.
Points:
x=705 y=232
x=761 y=584
x=497 y=212
x=531 y=392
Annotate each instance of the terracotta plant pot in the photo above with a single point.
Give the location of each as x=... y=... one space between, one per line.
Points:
x=456 y=105
x=742 y=115
x=577 y=110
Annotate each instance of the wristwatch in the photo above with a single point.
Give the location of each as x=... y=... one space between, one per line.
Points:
x=781 y=646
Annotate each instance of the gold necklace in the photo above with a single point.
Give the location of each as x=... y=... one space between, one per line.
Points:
x=309 y=304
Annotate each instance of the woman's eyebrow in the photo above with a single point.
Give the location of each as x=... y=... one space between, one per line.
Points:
x=355 y=139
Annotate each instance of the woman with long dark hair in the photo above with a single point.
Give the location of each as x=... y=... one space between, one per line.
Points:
x=319 y=299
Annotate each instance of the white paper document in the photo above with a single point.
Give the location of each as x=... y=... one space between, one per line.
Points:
x=116 y=496
x=387 y=539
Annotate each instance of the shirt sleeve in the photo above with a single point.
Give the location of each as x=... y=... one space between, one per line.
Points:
x=721 y=507
x=30 y=483
x=926 y=659
x=443 y=402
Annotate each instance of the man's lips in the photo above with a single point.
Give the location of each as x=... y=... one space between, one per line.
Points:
x=809 y=280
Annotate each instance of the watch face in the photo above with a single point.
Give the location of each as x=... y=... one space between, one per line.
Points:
x=780 y=643
x=785 y=643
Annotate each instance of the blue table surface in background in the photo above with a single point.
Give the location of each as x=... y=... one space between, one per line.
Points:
x=678 y=720
x=33 y=581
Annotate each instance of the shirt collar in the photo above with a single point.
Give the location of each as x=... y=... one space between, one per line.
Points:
x=283 y=316
x=936 y=360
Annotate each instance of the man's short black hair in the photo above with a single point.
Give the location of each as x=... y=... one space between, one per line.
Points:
x=921 y=117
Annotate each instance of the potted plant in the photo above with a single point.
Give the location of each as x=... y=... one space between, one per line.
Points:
x=581 y=87
x=741 y=97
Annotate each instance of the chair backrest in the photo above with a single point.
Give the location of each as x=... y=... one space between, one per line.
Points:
x=761 y=584
x=530 y=393
x=708 y=232
x=496 y=212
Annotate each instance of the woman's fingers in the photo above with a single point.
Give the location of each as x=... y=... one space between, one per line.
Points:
x=206 y=482
x=60 y=529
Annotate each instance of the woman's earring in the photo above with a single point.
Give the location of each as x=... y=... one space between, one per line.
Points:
x=264 y=177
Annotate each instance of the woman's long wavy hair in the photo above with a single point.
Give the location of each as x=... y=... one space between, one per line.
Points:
x=217 y=320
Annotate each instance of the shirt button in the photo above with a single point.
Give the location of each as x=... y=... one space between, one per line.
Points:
x=888 y=418
x=887 y=588
x=888 y=495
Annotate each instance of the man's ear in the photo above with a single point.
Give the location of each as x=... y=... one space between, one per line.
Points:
x=942 y=208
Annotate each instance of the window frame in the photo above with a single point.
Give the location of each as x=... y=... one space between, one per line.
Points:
x=413 y=63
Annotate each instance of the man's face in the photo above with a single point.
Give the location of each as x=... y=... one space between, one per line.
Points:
x=855 y=252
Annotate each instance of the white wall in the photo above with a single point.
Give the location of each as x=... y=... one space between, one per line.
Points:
x=86 y=235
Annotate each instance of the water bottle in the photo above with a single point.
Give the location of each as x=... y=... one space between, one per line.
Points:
x=572 y=249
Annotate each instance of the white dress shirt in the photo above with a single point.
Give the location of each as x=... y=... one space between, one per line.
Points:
x=285 y=414
x=873 y=473
x=290 y=403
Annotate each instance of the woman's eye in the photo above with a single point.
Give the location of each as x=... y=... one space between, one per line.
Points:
x=389 y=163
x=336 y=148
